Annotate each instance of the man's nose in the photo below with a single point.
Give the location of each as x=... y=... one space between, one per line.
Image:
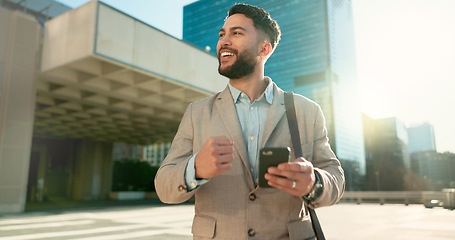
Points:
x=225 y=40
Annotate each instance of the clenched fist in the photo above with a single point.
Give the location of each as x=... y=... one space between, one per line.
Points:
x=215 y=157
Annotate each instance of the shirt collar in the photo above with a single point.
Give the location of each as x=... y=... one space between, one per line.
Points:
x=268 y=93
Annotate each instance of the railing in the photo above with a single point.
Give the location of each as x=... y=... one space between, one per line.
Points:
x=445 y=198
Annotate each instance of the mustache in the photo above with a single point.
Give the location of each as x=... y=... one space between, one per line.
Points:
x=227 y=48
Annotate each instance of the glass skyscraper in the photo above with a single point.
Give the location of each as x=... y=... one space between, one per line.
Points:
x=421 y=138
x=315 y=58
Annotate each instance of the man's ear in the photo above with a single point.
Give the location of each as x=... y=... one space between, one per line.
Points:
x=266 y=49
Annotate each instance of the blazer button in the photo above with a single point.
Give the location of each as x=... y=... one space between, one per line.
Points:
x=252 y=197
x=182 y=187
x=251 y=232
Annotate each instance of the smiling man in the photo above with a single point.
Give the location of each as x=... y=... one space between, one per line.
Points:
x=232 y=64
x=214 y=155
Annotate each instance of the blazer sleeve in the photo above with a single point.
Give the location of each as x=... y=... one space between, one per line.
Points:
x=170 y=178
x=326 y=163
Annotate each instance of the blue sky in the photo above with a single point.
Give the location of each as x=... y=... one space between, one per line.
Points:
x=405 y=56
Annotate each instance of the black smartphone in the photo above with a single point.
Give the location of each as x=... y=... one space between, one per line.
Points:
x=269 y=157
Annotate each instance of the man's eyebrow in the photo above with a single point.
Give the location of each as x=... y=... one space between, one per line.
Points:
x=233 y=28
x=238 y=28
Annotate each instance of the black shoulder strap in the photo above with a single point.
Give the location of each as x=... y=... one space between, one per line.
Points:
x=292 y=121
x=294 y=128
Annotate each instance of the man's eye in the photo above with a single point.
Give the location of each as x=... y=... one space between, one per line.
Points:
x=221 y=35
x=237 y=33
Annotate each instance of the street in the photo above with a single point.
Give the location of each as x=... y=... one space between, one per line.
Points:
x=340 y=222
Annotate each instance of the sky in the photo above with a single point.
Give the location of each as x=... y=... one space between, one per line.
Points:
x=405 y=56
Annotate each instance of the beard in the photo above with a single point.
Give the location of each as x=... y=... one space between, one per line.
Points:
x=243 y=66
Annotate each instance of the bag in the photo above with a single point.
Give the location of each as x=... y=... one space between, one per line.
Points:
x=293 y=127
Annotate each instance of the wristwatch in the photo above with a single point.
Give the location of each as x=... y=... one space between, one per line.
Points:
x=317 y=190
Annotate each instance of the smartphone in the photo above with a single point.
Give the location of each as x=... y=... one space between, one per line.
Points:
x=269 y=157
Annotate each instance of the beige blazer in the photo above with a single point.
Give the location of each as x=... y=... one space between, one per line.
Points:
x=229 y=206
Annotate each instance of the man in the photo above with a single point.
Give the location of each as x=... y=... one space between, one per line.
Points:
x=214 y=155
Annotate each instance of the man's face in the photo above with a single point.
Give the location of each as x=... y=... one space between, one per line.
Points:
x=237 y=47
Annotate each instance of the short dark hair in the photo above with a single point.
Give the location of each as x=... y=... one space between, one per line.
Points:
x=261 y=20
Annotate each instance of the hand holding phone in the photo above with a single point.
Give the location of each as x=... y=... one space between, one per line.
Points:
x=269 y=157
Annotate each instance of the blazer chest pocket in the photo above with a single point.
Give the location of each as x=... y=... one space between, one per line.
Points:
x=203 y=226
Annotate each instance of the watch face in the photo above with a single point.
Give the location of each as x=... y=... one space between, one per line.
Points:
x=317 y=191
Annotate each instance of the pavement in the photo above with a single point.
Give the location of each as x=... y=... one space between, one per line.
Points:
x=389 y=221
x=140 y=220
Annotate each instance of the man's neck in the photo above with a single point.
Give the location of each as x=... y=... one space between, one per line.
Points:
x=252 y=85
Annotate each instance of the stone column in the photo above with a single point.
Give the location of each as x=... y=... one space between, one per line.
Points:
x=92 y=176
x=19 y=46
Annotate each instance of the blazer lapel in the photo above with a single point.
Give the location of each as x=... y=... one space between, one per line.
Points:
x=226 y=108
x=275 y=114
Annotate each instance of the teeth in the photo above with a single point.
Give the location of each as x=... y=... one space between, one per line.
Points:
x=224 y=54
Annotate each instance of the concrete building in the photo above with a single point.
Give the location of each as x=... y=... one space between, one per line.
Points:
x=421 y=138
x=315 y=58
x=71 y=88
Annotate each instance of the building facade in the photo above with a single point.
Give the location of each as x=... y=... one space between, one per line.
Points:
x=315 y=58
x=70 y=88
x=387 y=155
x=421 y=138
x=155 y=153
x=123 y=151
x=435 y=169
x=42 y=10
